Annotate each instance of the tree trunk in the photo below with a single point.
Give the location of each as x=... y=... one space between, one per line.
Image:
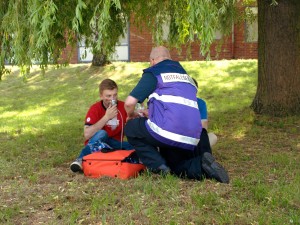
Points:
x=278 y=90
x=100 y=59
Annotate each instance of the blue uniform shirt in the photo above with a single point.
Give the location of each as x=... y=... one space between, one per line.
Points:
x=202 y=108
x=145 y=87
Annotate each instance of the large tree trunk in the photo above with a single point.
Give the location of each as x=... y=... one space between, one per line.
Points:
x=278 y=90
x=99 y=59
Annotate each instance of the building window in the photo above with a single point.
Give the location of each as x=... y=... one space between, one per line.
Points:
x=218 y=35
x=84 y=53
x=121 y=50
x=166 y=31
x=251 y=25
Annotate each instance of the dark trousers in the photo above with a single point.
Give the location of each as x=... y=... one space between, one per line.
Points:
x=183 y=163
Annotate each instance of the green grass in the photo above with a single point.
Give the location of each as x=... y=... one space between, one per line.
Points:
x=41 y=126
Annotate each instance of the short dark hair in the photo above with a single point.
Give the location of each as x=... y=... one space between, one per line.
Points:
x=107 y=84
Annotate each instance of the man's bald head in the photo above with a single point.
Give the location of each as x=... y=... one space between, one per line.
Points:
x=159 y=54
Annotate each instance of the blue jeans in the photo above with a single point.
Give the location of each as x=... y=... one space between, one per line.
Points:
x=102 y=136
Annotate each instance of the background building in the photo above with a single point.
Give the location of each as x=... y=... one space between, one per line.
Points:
x=136 y=46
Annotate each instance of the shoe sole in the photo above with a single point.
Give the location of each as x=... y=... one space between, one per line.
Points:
x=213 y=169
x=75 y=167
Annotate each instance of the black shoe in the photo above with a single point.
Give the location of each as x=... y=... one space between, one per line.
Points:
x=76 y=166
x=213 y=169
x=162 y=170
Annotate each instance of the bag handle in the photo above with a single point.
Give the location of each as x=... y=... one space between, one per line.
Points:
x=106 y=150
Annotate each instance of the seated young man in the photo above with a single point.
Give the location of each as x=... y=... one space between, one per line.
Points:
x=104 y=124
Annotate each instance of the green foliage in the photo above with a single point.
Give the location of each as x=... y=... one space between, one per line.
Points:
x=34 y=31
x=188 y=20
x=108 y=23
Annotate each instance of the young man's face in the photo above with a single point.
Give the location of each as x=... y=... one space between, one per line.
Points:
x=108 y=95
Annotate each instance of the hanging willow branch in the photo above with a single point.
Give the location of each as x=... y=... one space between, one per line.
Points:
x=34 y=31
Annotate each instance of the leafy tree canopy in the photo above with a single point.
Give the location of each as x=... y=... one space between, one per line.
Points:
x=38 y=31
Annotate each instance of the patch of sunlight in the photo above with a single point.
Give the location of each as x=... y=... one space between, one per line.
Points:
x=53 y=121
x=35 y=87
x=221 y=83
x=229 y=85
x=79 y=88
x=127 y=69
x=9 y=114
x=24 y=128
x=31 y=114
x=216 y=74
x=13 y=69
x=224 y=63
x=12 y=130
x=240 y=133
x=31 y=130
x=32 y=111
x=6 y=129
x=79 y=65
x=17 y=132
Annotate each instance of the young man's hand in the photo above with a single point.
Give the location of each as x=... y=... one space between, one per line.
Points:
x=111 y=112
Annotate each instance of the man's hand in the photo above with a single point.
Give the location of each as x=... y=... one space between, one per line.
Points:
x=111 y=112
x=132 y=115
x=130 y=103
x=143 y=112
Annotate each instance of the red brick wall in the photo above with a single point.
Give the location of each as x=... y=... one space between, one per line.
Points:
x=71 y=53
x=194 y=54
x=140 y=45
x=243 y=49
x=233 y=47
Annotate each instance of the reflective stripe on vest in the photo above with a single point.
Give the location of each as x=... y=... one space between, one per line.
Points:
x=175 y=99
x=172 y=136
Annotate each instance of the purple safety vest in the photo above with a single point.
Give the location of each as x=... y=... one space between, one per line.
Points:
x=173 y=109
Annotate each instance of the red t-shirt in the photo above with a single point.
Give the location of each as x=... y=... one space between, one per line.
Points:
x=97 y=111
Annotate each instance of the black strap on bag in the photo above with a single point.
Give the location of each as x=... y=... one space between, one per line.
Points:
x=132 y=158
x=107 y=150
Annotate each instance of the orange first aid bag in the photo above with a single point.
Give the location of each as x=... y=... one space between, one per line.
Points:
x=122 y=164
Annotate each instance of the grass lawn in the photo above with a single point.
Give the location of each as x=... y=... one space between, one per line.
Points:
x=41 y=133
